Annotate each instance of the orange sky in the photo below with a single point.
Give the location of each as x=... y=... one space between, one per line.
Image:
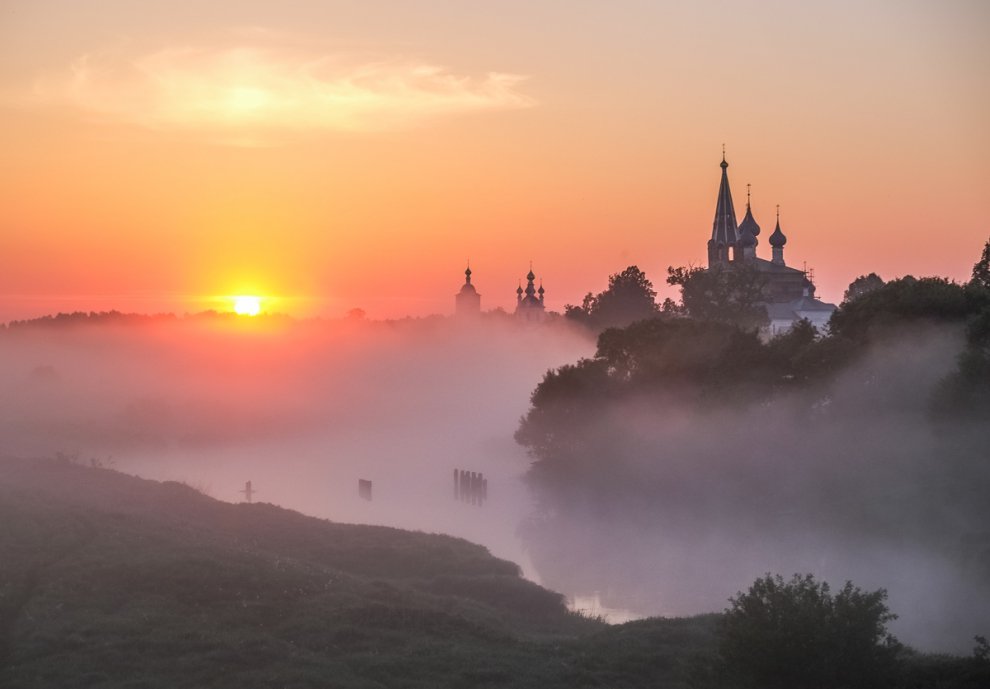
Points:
x=355 y=154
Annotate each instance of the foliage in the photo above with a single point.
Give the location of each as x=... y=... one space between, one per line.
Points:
x=901 y=302
x=798 y=354
x=630 y=297
x=796 y=634
x=864 y=284
x=691 y=360
x=724 y=294
x=939 y=670
x=567 y=400
x=687 y=352
x=706 y=352
x=981 y=269
x=965 y=393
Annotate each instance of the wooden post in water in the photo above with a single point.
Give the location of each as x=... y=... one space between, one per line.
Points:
x=364 y=489
x=470 y=487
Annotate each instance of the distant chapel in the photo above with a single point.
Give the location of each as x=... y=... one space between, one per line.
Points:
x=790 y=295
x=529 y=302
x=467 y=302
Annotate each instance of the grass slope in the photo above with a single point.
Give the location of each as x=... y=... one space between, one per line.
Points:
x=107 y=580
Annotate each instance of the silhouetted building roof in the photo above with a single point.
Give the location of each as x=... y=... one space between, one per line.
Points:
x=789 y=293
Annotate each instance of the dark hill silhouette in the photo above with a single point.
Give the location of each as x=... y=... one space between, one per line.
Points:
x=110 y=580
x=107 y=580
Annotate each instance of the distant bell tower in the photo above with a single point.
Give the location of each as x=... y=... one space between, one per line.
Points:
x=467 y=302
x=724 y=236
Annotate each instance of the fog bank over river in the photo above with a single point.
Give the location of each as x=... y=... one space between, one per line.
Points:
x=304 y=410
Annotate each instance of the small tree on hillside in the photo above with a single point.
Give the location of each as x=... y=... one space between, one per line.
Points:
x=797 y=635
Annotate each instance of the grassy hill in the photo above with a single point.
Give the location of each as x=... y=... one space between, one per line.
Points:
x=107 y=580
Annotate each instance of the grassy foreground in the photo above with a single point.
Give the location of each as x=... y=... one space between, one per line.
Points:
x=107 y=580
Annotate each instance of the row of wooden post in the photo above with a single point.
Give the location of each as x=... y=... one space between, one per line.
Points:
x=470 y=487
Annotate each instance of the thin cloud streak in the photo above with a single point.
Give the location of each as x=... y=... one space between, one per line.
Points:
x=249 y=89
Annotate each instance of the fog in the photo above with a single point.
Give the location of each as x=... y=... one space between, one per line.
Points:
x=852 y=484
x=301 y=409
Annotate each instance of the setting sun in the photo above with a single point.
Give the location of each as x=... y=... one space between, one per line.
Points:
x=247 y=305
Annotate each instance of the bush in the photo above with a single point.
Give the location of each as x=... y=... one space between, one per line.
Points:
x=797 y=635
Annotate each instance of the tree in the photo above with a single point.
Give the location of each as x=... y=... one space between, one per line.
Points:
x=630 y=297
x=564 y=404
x=662 y=355
x=981 y=269
x=795 y=353
x=901 y=302
x=797 y=635
x=864 y=284
x=695 y=362
x=725 y=294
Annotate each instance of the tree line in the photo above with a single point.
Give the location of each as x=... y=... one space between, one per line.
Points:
x=707 y=350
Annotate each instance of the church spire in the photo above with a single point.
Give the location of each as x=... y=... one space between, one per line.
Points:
x=724 y=226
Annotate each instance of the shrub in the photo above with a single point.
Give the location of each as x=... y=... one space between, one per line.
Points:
x=796 y=634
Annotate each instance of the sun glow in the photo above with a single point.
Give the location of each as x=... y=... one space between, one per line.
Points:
x=246 y=305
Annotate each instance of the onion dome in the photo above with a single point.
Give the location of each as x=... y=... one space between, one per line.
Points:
x=530 y=275
x=749 y=222
x=467 y=287
x=748 y=225
x=519 y=290
x=541 y=291
x=746 y=237
x=778 y=239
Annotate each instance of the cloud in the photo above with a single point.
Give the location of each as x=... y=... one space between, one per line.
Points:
x=250 y=89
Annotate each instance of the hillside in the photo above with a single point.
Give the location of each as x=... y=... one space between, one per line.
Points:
x=107 y=580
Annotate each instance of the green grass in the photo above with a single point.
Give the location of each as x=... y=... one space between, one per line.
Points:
x=107 y=580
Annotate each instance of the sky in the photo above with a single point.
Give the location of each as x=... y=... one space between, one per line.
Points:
x=335 y=154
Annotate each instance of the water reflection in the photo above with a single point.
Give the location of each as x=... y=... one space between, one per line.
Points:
x=592 y=606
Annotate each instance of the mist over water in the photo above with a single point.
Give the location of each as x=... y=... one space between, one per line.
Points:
x=850 y=483
x=301 y=409
x=699 y=504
